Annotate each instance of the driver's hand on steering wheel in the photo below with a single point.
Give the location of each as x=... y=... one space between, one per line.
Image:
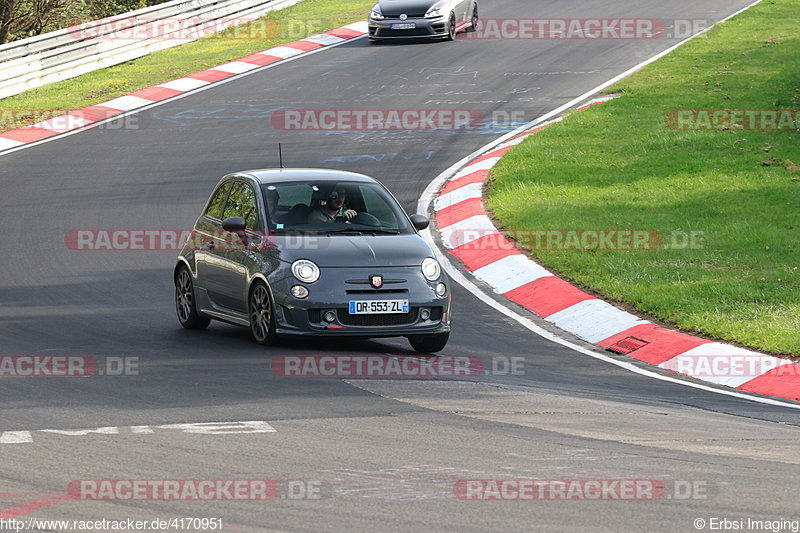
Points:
x=349 y=214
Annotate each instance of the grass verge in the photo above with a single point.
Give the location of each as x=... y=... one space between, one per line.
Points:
x=304 y=19
x=620 y=166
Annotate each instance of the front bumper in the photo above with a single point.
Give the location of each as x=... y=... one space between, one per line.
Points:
x=435 y=28
x=337 y=286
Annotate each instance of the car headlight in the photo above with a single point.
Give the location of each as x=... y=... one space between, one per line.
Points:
x=431 y=269
x=376 y=15
x=305 y=270
x=435 y=11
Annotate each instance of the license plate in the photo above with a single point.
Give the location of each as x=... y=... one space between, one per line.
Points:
x=404 y=26
x=378 y=307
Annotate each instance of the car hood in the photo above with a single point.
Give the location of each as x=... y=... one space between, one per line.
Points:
x=395 y=8
x=356 y=250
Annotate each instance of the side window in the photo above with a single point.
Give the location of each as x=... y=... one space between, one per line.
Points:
x=242 y=203
x=218 y=201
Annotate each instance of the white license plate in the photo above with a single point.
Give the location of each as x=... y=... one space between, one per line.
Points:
x=404 y=26
x=378 y=307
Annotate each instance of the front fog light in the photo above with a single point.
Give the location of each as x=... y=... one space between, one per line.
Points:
x=441 y=290
x=425 y=314
x=298 y=291
x=329 y=316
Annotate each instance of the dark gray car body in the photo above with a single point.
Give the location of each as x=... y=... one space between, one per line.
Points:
x=413 y=12
x=223 y=275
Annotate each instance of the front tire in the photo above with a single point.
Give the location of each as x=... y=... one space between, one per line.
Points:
x=473 y=27
x=185 y=302
x=262 y=314
x=451 y=30
x=429 y=343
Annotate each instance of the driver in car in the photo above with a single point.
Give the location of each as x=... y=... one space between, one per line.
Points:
x=334 y=207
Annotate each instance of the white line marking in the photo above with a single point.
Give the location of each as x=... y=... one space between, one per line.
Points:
x=236 y=67
x=511 y=272
x=486 y=164
x=594 y=320
x=284 y=52
x=16 y=437
x=184 y=84
x=324 y=39
x=126 y=103
x=198 y=428
x=467 y=192
x=5 y=144
x=467 y=230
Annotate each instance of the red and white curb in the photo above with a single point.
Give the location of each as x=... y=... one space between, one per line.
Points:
x=88 y=116
x=470 y=236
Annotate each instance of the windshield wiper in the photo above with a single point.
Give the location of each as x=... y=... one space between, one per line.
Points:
x=363 y=231
x=297 y=231
x=343 y=230
x=382 y=231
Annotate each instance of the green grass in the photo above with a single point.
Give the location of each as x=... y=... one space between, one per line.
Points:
x=618 y=165
x=304 y=19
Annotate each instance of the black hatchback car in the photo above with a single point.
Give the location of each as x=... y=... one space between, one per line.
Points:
x=312 y=252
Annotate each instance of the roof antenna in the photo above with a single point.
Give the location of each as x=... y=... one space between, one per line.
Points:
x=280 y=155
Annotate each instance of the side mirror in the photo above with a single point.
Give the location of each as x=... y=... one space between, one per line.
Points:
x=420 y=221
x=235 y=224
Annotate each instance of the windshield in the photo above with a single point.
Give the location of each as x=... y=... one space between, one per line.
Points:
x=333 y=208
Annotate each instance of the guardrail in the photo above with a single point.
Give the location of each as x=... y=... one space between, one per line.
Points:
x=76 y=50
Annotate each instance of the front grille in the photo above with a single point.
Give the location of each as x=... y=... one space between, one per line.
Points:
x=416 y=32
x=397 y=319
x=411 y=15
x=377 y=291
x=394 y=319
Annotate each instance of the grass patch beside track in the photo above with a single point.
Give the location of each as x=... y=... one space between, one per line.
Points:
x=618 y=166
x=304 y=19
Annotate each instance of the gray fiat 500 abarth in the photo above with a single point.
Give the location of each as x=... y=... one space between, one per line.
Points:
x=312 y=252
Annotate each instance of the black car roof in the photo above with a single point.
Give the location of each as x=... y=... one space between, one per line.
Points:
x=278 y=175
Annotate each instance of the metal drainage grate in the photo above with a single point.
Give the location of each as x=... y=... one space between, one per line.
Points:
x=627 y=345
